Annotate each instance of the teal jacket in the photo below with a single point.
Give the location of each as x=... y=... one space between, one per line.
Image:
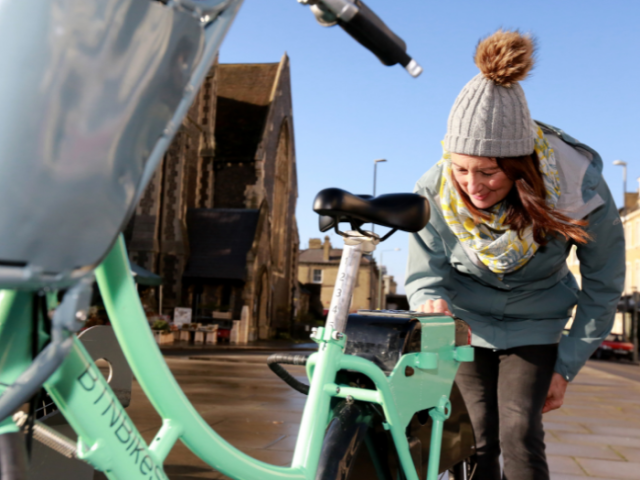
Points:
x=530 y=306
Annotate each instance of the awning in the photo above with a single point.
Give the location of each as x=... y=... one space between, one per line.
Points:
x=142 y=276
x=219 y=240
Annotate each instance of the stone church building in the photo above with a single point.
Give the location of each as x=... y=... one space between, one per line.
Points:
x=217 y=221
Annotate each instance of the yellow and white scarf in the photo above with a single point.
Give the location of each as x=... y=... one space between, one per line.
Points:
x=497 y=246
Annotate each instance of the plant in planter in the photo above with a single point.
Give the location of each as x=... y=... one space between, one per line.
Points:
x=162 y=332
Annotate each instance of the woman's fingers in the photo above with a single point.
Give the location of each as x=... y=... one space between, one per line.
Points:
x=557 y=389
x=435 y=306
x=440 y=306
x=426 y=307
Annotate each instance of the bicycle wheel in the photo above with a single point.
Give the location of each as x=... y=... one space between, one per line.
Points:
x=13 y=457
x=356 y=447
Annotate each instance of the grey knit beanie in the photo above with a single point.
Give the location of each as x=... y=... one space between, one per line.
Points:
x=490 y=117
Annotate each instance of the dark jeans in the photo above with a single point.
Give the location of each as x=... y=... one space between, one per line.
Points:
x=505 y=391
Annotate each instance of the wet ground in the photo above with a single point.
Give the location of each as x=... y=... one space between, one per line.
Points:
x=596 y=434
x=240 y=398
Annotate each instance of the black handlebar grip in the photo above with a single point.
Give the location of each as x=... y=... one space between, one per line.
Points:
x=372 y=33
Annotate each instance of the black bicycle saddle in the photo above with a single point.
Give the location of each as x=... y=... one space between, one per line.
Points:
x=408 y=212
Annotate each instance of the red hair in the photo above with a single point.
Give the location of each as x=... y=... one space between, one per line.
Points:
x=526 y=203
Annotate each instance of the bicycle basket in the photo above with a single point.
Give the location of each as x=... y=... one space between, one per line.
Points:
x=88 y=90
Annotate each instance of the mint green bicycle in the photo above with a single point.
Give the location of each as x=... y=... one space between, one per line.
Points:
x=96 y=92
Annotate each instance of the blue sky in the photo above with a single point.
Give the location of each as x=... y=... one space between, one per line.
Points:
x=350 y=110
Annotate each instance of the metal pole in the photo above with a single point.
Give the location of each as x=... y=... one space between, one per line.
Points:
x=634 y=327
x=380 y=282
x=627 y=307
x=375 y=172
x=634 y=316
x=620 y=163
x=624 y=189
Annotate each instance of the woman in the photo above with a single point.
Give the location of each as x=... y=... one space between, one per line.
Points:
x=510 y=198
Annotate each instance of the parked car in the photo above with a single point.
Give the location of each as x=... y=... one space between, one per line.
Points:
x=614 y=346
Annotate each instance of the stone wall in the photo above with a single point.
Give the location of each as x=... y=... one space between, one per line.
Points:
x=157 y=237
x=278 y=179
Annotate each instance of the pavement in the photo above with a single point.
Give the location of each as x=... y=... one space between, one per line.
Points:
x=596 y=434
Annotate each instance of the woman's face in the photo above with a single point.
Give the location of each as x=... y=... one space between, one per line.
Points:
x=481 y=179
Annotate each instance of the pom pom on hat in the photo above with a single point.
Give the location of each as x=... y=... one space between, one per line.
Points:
x=505 y=57
x=490 y=117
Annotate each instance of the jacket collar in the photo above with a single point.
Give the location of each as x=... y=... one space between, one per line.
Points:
x=579 y=169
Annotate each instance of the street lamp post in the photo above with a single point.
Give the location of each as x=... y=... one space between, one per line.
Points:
x=620 y=163
x=380 y=276
x=634 y=314
x=634 y=326
x=375 y=171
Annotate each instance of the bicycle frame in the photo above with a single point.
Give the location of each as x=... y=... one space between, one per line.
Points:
x=109 y=441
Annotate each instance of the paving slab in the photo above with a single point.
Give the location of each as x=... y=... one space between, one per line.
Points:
x=565 y=427
x=572 y=450
x=560 y=464
x=287 y=444
x=609 y=469
x=598 y=439
x=617 y=431
x=596 y=413
x=267 y=426
x=629 y=454
x=281 y=458
x=569 y=476
x=598 y=428
x=588 y=422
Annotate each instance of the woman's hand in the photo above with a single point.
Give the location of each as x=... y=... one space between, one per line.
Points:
x=435 y=306
x=555 y=397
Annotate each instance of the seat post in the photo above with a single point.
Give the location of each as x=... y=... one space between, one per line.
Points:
x=355 y=245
